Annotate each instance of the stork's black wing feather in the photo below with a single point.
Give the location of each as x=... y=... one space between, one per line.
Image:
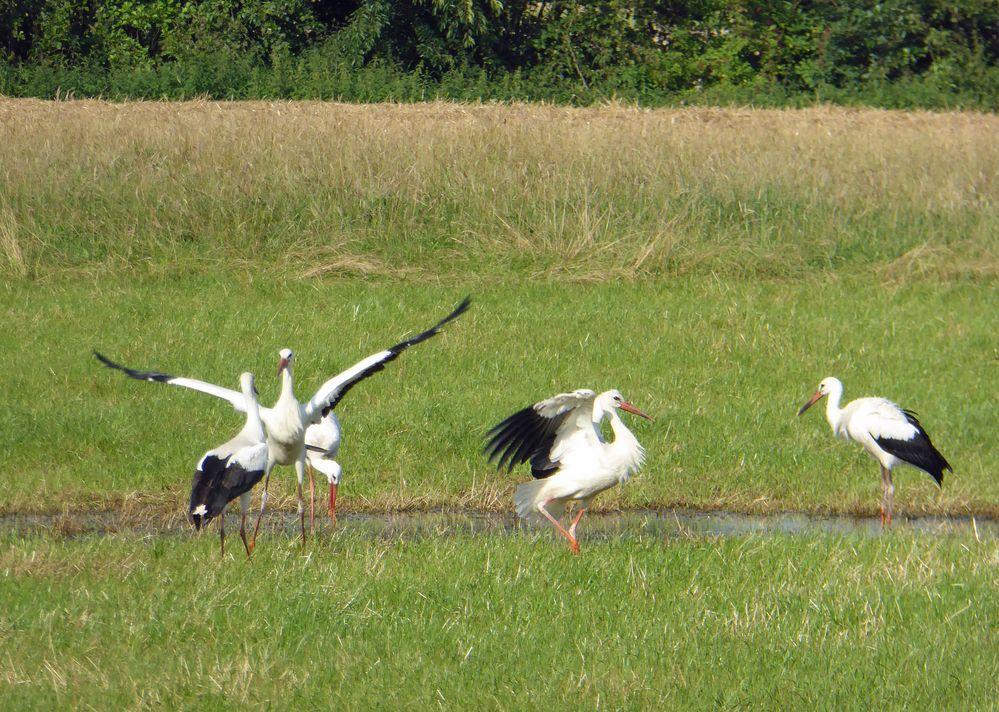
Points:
x=918 y=451
x=236 y=398
x=132 y=373
x=218 y=481
x=511 y=435
x=390 y=354
x=525 y=436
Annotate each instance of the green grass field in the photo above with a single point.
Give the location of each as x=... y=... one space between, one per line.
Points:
x=502 y=622
x=828 y=622
x=713 y=265
x=722 y=369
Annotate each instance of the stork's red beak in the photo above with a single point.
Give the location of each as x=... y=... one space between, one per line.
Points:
x=332 y=509
x=811 y=401
x=282 y=365
x=629 y=408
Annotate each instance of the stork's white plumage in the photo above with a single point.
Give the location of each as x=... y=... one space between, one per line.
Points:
x=231 y=470
x=322 y=443
x=569 y=457
x=286 y=422
x=889 y=433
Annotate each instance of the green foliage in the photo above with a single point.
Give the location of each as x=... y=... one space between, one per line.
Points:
x=259 y=27
x=131 y=32
x=936 y=53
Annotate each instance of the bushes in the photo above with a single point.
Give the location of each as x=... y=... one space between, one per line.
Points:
x=929 y=53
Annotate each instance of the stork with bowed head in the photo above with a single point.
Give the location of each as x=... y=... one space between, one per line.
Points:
x=889 y=433
x=231 y=470
x=287 y=421
x=569 y=457
x=322 y=443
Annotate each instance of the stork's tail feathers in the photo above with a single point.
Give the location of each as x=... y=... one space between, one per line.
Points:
x=917 y=451
x=527 y=498
x=938 y=473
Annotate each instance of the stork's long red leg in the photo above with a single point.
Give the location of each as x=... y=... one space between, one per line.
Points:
x=333 y=488
x=301 y=512
x=890 y=491
x=263 y=503
x=312 y=501
x=572 y=527
x=885 y=500
x=573 y=544
x=242 y=533
x=222 y=532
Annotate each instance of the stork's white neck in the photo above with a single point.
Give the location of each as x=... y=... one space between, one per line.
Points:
x=287 y=388
x=625 y=445
x=618 y=426
x=254 y=425
x=285 y=427
x=834 y=414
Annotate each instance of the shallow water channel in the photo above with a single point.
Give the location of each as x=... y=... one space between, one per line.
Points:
x=668 y=523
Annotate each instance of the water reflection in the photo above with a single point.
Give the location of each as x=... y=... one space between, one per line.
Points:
x=668 y=523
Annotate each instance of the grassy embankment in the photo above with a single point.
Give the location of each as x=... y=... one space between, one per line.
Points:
x=713 y=264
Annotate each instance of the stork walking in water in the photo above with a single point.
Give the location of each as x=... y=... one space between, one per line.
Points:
x=891 y=435
x=231 y=470
x=569 y=457
x=286 y=422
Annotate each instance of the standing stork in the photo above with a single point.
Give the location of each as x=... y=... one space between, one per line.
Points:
x=287 y=420
x=569 y=457
x=889 y=433
x=231 y=470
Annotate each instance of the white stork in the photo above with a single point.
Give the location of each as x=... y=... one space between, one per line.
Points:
x=889 y=433
x=231 y=470
x=287 y=420
x=569 y=457
x=322 y=443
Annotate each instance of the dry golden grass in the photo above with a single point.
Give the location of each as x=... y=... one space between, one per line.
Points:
x=10 y=244
x=585 y=194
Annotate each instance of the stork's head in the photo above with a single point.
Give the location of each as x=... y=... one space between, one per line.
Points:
x=611 y=399
x=826 y=386
x=330 y=468
x=286 y=358
x=248 y=384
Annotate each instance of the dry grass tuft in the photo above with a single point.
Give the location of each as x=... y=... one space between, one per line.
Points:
x=10 y=244
x=958 y=261
x=352 y=266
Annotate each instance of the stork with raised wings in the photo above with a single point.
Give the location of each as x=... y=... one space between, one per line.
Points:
x=231 y=470
x=286 y=422
x=891 y=435
x=569 y=457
